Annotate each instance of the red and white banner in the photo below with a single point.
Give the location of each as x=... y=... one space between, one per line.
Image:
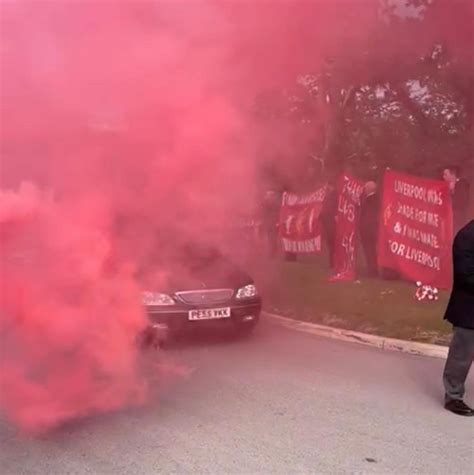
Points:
x=300 y=230
x=350 y=191
x=416 y=229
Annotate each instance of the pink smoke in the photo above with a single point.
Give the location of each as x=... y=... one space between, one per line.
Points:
x=128 y=124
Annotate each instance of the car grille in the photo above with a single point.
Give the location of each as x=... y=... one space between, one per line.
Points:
x=205 y=297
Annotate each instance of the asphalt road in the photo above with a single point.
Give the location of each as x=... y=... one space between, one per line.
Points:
x=279 y=402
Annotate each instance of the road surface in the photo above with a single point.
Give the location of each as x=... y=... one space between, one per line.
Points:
x=280 y=402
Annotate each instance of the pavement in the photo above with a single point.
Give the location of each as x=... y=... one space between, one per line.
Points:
x=280 y=401
x=382 y=342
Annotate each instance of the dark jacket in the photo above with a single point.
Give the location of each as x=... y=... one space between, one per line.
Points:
x=329 y=211
x=460 y=200
x=460 y=311
x=369 y=217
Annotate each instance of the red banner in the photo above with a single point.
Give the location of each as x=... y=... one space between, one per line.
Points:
x=416 y=229
x=350 y=190
x=300 y=230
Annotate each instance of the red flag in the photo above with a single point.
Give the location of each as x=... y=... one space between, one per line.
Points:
x=300 y=230
x=416 y=229
x=350 y=190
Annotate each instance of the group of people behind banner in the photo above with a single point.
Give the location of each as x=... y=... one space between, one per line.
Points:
x=353 y=212
x=369 y=215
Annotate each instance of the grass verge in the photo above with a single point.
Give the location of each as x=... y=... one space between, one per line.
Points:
x=301 y=290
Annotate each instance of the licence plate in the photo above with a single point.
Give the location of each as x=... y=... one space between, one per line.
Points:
x=209 y=314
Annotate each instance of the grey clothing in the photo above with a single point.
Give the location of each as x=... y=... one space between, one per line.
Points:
x=460 y=357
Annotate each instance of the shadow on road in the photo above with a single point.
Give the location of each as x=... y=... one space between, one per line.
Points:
x=206 y=337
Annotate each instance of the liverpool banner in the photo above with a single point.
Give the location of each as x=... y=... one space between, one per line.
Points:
x=349 y=190
x=299 y=226
x=416 y=229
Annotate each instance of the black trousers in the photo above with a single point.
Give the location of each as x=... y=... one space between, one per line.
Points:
x=329 y=236
x=458 y=364
x=369 y=244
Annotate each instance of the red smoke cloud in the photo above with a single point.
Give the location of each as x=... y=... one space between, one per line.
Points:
x=68 y=326
x=127 y=124
x=124 y=126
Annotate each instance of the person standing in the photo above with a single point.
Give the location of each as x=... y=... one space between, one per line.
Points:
x=459 y=188
x=368 y=225
x=328 y=221
x=270 y=216
x=460 y=313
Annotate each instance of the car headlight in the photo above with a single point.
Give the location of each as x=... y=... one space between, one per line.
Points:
x=156 y=298
x=247 y=292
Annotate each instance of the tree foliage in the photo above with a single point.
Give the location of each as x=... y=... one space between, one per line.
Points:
x=386 y=107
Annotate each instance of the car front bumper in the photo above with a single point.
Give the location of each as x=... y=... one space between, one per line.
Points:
x=177 y=317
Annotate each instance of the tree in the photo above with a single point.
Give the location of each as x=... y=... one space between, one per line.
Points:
x=394 y=106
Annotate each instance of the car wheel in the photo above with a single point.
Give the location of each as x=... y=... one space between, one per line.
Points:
x=152 y=338
x=245 y=329
x=172 y=338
